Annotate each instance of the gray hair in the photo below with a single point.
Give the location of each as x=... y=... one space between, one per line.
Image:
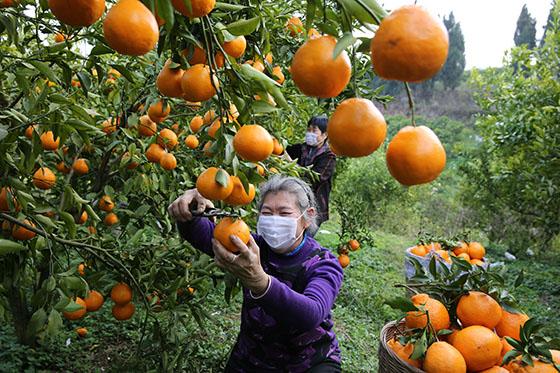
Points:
x=297 y=187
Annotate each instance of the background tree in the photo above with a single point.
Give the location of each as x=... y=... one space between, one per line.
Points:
x=452 y=72
x=548 y=22
x=525 y=33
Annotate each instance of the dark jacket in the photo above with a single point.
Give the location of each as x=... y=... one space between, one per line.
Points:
x=323 y=162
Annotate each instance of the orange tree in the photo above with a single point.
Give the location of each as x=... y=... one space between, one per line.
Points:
x=110 y=110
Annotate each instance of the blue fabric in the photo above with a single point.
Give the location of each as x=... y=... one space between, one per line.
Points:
x=298 y=248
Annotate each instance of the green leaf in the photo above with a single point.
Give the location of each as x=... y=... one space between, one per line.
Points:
x=222 y=178
x=401 y=303
x=124 y=71
x=45 y=220
x=165 y=11
x=9 y=247
x=44 y=69
x=244 y=26
x=54 y=322
x=37 y=321
x=91 y=213
x=510 y=355
x=85 y=81
x=100 y=49
x=73 y=306
x=229 y=7
x=3 y=132
x=344 y=42
x=50 y=284
x=70 y=223
x=519 y=279
x=420 y=347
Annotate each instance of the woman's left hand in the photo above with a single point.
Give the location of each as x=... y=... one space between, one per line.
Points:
x=246 y=265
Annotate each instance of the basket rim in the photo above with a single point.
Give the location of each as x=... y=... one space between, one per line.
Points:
x=383 y=342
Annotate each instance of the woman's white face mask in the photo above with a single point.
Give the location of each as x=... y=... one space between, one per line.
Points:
x=279 y=232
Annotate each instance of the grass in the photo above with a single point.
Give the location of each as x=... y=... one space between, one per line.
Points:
x=359 y=315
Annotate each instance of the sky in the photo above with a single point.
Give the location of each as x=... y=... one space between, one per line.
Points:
x=488 y=25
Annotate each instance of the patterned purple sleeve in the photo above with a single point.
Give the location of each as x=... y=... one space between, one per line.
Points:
x=198 y=232
x=305 y=311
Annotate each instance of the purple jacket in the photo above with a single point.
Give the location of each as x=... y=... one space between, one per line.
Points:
x=289 y=328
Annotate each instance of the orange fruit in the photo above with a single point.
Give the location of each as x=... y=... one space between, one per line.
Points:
x=418 y=250
x=356 y=128
x=44 y=178
x=208 y=186
x=478 y=308
x=354 y=245
x=82 y=269
x=21 y=233
x=555 y=356
x=123 y=312
x=313 y=34
x=111 y=219
x=268 y=58
x=260 y=169
x=214 y=127
x=476 y=250
x=316 y=73
x=109 y=125
x=77 y=12
x=441 y=357
x=495 y=369
x=294 y=26
x=168 y=161
x=439 y=317
x=253 y=143
x=121 y=293
x=258 y=65
x=106 y=203
x=480 y=347
x=82 y=332
x=4 y=204
x=477 y=262
x=404 y=352
x=196 y=123
x=444 y=254
x=48 y=142
x=277 y=148
x=29 y=131
x=239 y=196
x=198 y=55
x=167 y=138
x=94 y=300
x=506 y=347
x=219 y=59
x=410 y=45
x=154 y=153
x=538 y=367
x=92 y=229
x=199 y=8
x=146 y=126
x=130 y=28
x=168 y=81
x=157 y=112
x=78 y=314
x=8 y=3
x=80 y=166
x=209 y=117
x=464 y=256
x=278 y=75
x=235 y=47
x=344 y=260
x=206 y=149
x=197 y=85
x=59 y=38
x=230 y=226
x=510 y=323
x=463 y=248
x=191 y=141
x=415 y=156
x=81 y=218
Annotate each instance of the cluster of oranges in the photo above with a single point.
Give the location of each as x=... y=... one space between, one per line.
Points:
x=344 y=250
x=473 y=252
x=477 y=345
x=121 y=294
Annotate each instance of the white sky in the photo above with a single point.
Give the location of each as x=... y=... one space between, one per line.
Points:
x=488 y=25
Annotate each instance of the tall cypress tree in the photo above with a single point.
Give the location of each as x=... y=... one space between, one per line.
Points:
x=549 y=21
x=526 y=31
x=452 y=71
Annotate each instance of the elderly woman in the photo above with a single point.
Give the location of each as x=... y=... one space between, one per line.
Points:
x=289 y=281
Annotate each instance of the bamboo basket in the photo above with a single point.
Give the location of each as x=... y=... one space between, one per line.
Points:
x=389 y=362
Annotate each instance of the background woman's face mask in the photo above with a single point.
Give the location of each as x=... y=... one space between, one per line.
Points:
x=279 y=232
x=311 y=138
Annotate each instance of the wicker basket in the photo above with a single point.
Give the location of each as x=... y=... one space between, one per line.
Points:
x=389 y=362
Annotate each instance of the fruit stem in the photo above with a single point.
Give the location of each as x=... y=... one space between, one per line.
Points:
x=414 y=291
x=410 y=103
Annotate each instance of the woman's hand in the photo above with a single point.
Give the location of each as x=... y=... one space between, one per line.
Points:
x=246 y=265
x=180 y=208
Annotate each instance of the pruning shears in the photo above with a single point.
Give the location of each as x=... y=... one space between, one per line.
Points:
x=212 y=212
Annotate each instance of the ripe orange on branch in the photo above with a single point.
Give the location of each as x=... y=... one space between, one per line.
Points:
x=146 y=126
x=111 y=219
x=199 y=8
x=235 y=47
x=356 y=128
x=48 y=141
x=239 y=196
x=344 y=260
x=168 y=161
x=4 y=200
x=168 y=81
x=77 y=12
x=167 y=138
x=123 y=312
x=316 y=73
x=154 y=153
x=44 y=178
x=106 y=203
x=94 y=301
x=191 y=141
x=410 y=45
x=208 y=185
x=253 y=143
x=80 y=166
x=196 y=123
x=197 y=84
x=130 y=28
x=415 y=156
x=294 y=26
x=21 y=233
x=121 y=293
x=230 y=226
x=78 y=314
